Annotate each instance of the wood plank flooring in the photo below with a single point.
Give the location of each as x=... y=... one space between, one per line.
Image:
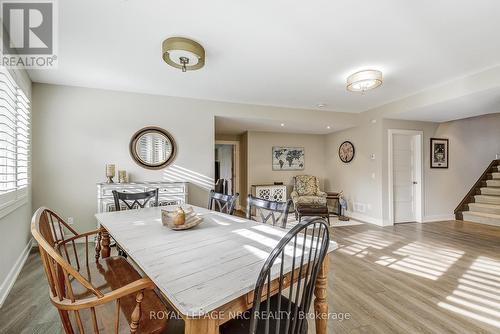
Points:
x=411 y=278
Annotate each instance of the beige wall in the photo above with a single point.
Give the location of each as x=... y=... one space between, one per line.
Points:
x=260 y=157
x=360 y=180
x=474 y=143
x=77 y=131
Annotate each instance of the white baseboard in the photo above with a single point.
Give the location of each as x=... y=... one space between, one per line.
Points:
x=364 y=218
x=438 y=218
x=9 y=281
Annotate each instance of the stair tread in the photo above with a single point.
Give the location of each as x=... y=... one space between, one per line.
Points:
x=488 y=195
x=482 y=214
x=486 y=205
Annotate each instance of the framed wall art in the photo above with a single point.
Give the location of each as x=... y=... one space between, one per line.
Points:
x=288 y=158
x=439 y=153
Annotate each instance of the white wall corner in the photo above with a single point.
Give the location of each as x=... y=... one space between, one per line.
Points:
x=438 y=218
x=9 y=281
x=364 y=218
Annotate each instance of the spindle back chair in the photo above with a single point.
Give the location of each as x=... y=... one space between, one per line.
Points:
x=306 y=246
x=78 y=286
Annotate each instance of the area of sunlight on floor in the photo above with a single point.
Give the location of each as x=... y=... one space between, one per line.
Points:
x=362 y=242
x=477 y=295
x=422 y=259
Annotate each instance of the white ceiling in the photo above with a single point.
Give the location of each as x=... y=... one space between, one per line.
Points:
x=236 y=126
x=481 y=103
x=283 y=53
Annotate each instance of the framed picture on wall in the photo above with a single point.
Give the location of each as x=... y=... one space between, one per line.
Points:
x=439 y=153
x=288 y=158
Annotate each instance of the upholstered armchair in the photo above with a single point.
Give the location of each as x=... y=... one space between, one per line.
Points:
x=306 y=191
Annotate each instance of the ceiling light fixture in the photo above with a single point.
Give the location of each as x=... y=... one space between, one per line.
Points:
x=282 y=124
x=364 y=80
x=321 y=105
x=183 y=53
x=328 y=127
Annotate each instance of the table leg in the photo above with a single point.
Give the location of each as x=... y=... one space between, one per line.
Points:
x=106 y=250
x=321 y=302
x=201 y=325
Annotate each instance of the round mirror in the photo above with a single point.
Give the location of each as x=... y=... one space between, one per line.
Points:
x=152 y=148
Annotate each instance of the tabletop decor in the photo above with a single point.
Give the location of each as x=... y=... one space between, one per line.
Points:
x=122 y=176
x=180 y=219
x=439 y=153
x=288 y=158
x=110 y=172
x=346 y=152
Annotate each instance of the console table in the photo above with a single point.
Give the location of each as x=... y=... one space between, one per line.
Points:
x=270 y=192
x=169 y=193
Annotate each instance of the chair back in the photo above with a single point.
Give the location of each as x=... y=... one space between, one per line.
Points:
x=306 y=185
x=59 y=254
x=275 y=212
x=135 y=200
x=301 y=252
x=221 y=202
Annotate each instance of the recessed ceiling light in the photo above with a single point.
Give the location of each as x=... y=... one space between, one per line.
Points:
x=282 y=124
x=321 y=105
x=364 y=80
x=328 y=127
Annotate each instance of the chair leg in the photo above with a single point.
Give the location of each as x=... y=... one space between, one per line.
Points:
x=136 y=314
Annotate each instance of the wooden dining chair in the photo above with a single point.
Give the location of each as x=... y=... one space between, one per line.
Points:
x=91 y=294
x=272 y=212
x=221 y=202
x=303 y=248
x=135 y=200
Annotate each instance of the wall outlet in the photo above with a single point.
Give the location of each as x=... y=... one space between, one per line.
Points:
x=71 y=220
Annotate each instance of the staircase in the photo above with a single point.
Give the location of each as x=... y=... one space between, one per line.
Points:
x=482 y=203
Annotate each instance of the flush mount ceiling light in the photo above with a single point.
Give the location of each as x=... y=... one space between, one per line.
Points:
x=364 y=80
x=183 y=53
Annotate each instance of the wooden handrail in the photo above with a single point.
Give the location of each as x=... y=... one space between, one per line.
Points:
x=472 y=191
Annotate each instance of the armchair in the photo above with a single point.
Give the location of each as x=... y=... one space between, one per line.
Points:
x=306 y=191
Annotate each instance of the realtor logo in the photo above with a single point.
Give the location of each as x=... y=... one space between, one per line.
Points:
x=28 y=38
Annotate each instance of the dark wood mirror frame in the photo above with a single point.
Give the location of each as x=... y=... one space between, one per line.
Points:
x=152 y=129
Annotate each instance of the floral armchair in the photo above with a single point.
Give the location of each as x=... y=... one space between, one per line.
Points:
x=306 y=191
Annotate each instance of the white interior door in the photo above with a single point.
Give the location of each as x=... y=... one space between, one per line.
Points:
x=404 y=178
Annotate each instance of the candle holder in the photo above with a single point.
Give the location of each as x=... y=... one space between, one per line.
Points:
x=110 y=173
x=122 y=176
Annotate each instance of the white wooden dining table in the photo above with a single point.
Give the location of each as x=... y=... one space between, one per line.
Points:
x=208 y=270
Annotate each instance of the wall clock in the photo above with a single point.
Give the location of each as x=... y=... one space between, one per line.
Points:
x=346 y=151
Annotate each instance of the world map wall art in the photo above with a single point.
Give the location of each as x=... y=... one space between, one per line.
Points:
x=288 y=158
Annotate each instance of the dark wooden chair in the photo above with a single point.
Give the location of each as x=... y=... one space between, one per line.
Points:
x=135 y=200
x=93 y=294
x=222 y=203
x=290 y=306
x=276 y=212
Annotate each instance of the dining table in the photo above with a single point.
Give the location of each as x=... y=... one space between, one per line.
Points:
x=207 y=273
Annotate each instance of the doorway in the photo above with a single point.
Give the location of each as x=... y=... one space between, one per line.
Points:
x=405 y=176
x=227 y=167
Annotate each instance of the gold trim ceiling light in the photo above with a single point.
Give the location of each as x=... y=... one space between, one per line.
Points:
x=364 y=80
x=183 y=53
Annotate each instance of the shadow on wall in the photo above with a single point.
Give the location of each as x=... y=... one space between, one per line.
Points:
x=199 y=184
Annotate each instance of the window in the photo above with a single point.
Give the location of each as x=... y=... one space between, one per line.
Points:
x=14 y=141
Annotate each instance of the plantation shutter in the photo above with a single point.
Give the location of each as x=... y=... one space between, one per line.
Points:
x=14 y=140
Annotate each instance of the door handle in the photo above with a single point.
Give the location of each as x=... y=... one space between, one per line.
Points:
x=414 y=182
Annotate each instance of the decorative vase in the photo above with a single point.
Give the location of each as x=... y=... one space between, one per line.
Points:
x=110 y=172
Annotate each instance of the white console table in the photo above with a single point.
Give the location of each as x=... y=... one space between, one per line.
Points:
x=270 y=192
x=169 y=193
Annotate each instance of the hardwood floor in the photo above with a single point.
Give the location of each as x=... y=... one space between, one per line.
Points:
x=411 y=278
